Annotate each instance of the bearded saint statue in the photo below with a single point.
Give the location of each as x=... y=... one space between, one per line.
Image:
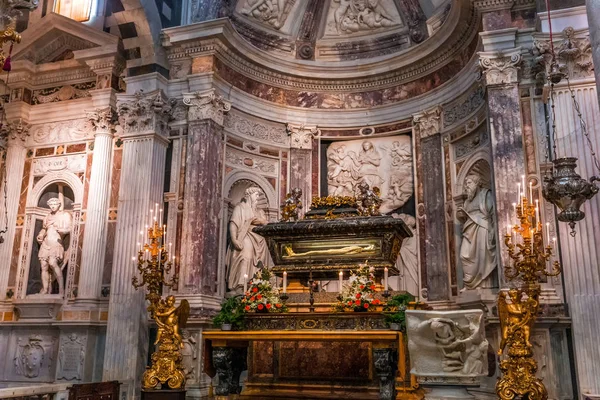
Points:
x=246 y=248
x=478 y=247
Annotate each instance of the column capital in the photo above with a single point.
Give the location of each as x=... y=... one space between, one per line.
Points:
x=206 y=105
x=15 y=132
x=501 y=67
x=428 y=123
x=301 y=136
x=144 y=113
x=103 y=120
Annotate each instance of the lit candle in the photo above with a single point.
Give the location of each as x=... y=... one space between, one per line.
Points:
x=165 y=233
x=548 y=233
x=518 y=196
x=537 y=217
x=341 y=280
x=170 y=245
x=385 y=278
x=245 y=283
x=284 y=281
x=160 y=218
x=531 y=230
x=508 y=230
x=133 y=259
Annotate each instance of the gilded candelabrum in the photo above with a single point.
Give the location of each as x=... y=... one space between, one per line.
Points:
x=10 y=11
x=152 y=263
x=529 y=257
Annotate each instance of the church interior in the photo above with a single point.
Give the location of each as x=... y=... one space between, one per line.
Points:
x=299 y=199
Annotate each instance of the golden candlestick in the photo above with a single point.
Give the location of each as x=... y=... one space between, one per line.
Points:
x=519 y=309
x=152 y=263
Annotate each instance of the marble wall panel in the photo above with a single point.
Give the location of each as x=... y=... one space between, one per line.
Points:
x=283 y=181
x=110 y=243
x=31 y=355
x=262 y=358
x=14 y=262
x=24 y=186
x=86 y=180
x=115 y=178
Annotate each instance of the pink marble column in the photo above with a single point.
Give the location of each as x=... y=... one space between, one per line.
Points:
x=203 y=197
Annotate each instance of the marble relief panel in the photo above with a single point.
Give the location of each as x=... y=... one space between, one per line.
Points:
x=385 y=163
x=271 y=13
x=60 y=132
x=31 y=356
x=351 y=16
x=252 y=162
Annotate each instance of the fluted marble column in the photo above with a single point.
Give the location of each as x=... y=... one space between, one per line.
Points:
x=144 y=121
x=202 y=198
x=593 y=13
x=16 y=134
x=94 y=242
x=434 y=254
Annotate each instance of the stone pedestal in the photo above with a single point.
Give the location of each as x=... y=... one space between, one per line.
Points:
x=446 y=393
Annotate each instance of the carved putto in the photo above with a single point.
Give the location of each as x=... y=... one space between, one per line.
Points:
x=292 y=205
x=272 y=12
x=350 y=16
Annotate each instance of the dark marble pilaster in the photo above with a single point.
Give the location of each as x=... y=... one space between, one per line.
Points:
x=593 y=13
x=385 y=368
x=202 y=198
x=229 y=362
x=427 y=130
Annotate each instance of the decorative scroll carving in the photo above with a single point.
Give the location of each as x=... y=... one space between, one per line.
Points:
x=63 y=93
x=238 y=124
x=272 y=12
x=301 y=135
x=349 y=16
x=428 y=123
x=464 y=107
x=574 y=55
x=251 y=162
x=500 y=68
x=145 y=113
x=206 y=105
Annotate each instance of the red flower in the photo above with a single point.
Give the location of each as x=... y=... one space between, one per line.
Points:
x=372 y=287
x=255 y=289
x=268 y=305
x=357 y=302
x=362 y=287
x=260 y=307
x=349 y=303
x=259 y=296
x=252 y=298
x=247 y=308
x=366 y=305
x=278 y=305
x=376 y=301
x=358 y=295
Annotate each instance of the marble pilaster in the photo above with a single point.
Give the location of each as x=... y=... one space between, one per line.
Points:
x=427 y=127
x=94 y=242
x=593 y=13
x=301 y=159
x=203 y=187
x=15 y=134
x=144 y=119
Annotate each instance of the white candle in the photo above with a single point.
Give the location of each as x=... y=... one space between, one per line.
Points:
x=508 y=230
x=134 y=263
x=284 y=281
x=530 y=192
x=160 y=218
x=518 y=196
x=245 y=283
x=150 y=223
x=159 y=257
x=548 y=233
x=385 y=278
x=532 y=241
x=341 y=280
x=170 y=245
x=165 y=233
x=537 y=216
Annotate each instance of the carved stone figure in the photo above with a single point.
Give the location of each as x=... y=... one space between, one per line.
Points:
x=407 y=262
x=247 y=248
x=273 y=12
x=293 y=203
x=52 y=254
x=450 y=343
x=478 y=247
x=367 y=200
x=362 y=15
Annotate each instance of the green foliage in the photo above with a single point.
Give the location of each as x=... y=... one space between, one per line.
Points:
x=231 y=313
x=395 y=309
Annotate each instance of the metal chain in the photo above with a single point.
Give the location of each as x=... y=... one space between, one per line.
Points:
x=4 y=171
x=553 y=111
x=583 y=125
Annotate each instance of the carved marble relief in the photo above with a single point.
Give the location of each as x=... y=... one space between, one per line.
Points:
x=190 y=355
x=271 y=12
x=71 y=356
x=351 y=16
x=33 y=357
x=63 y=93
x=253 y=162
x=260 y=131
x=385 y=163
x=64 y=131
x=574 y=55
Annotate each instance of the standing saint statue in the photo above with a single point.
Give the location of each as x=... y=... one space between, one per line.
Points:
x=52 y=257
x=407 y=262
x=478 y=247
x=246 y=248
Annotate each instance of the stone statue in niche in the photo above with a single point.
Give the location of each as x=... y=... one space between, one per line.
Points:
x=478 y=246
x=450 y=343
x=382 y=163
x=246 y=248
x=30 y=357
x=273 y=12
x=351 y=16
x=407 y=262
x=52 y=254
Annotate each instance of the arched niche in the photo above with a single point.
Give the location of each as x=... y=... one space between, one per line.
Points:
x=238 y=181
x=479 y=163
x=62 y=177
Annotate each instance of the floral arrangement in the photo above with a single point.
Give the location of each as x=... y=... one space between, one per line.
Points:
x=359 y=291
x=261 y=296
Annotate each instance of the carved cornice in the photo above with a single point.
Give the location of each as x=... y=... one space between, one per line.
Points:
x=501 y=67
x=206 y=105
x=493 y=5
x=15 y=132
x=102 y=119
x=144 y=113
x=428 y=123
x=301 y=136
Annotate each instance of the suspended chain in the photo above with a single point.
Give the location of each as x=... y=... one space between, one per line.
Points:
x=583 y=125
x=4 y=171
x=553 y=112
